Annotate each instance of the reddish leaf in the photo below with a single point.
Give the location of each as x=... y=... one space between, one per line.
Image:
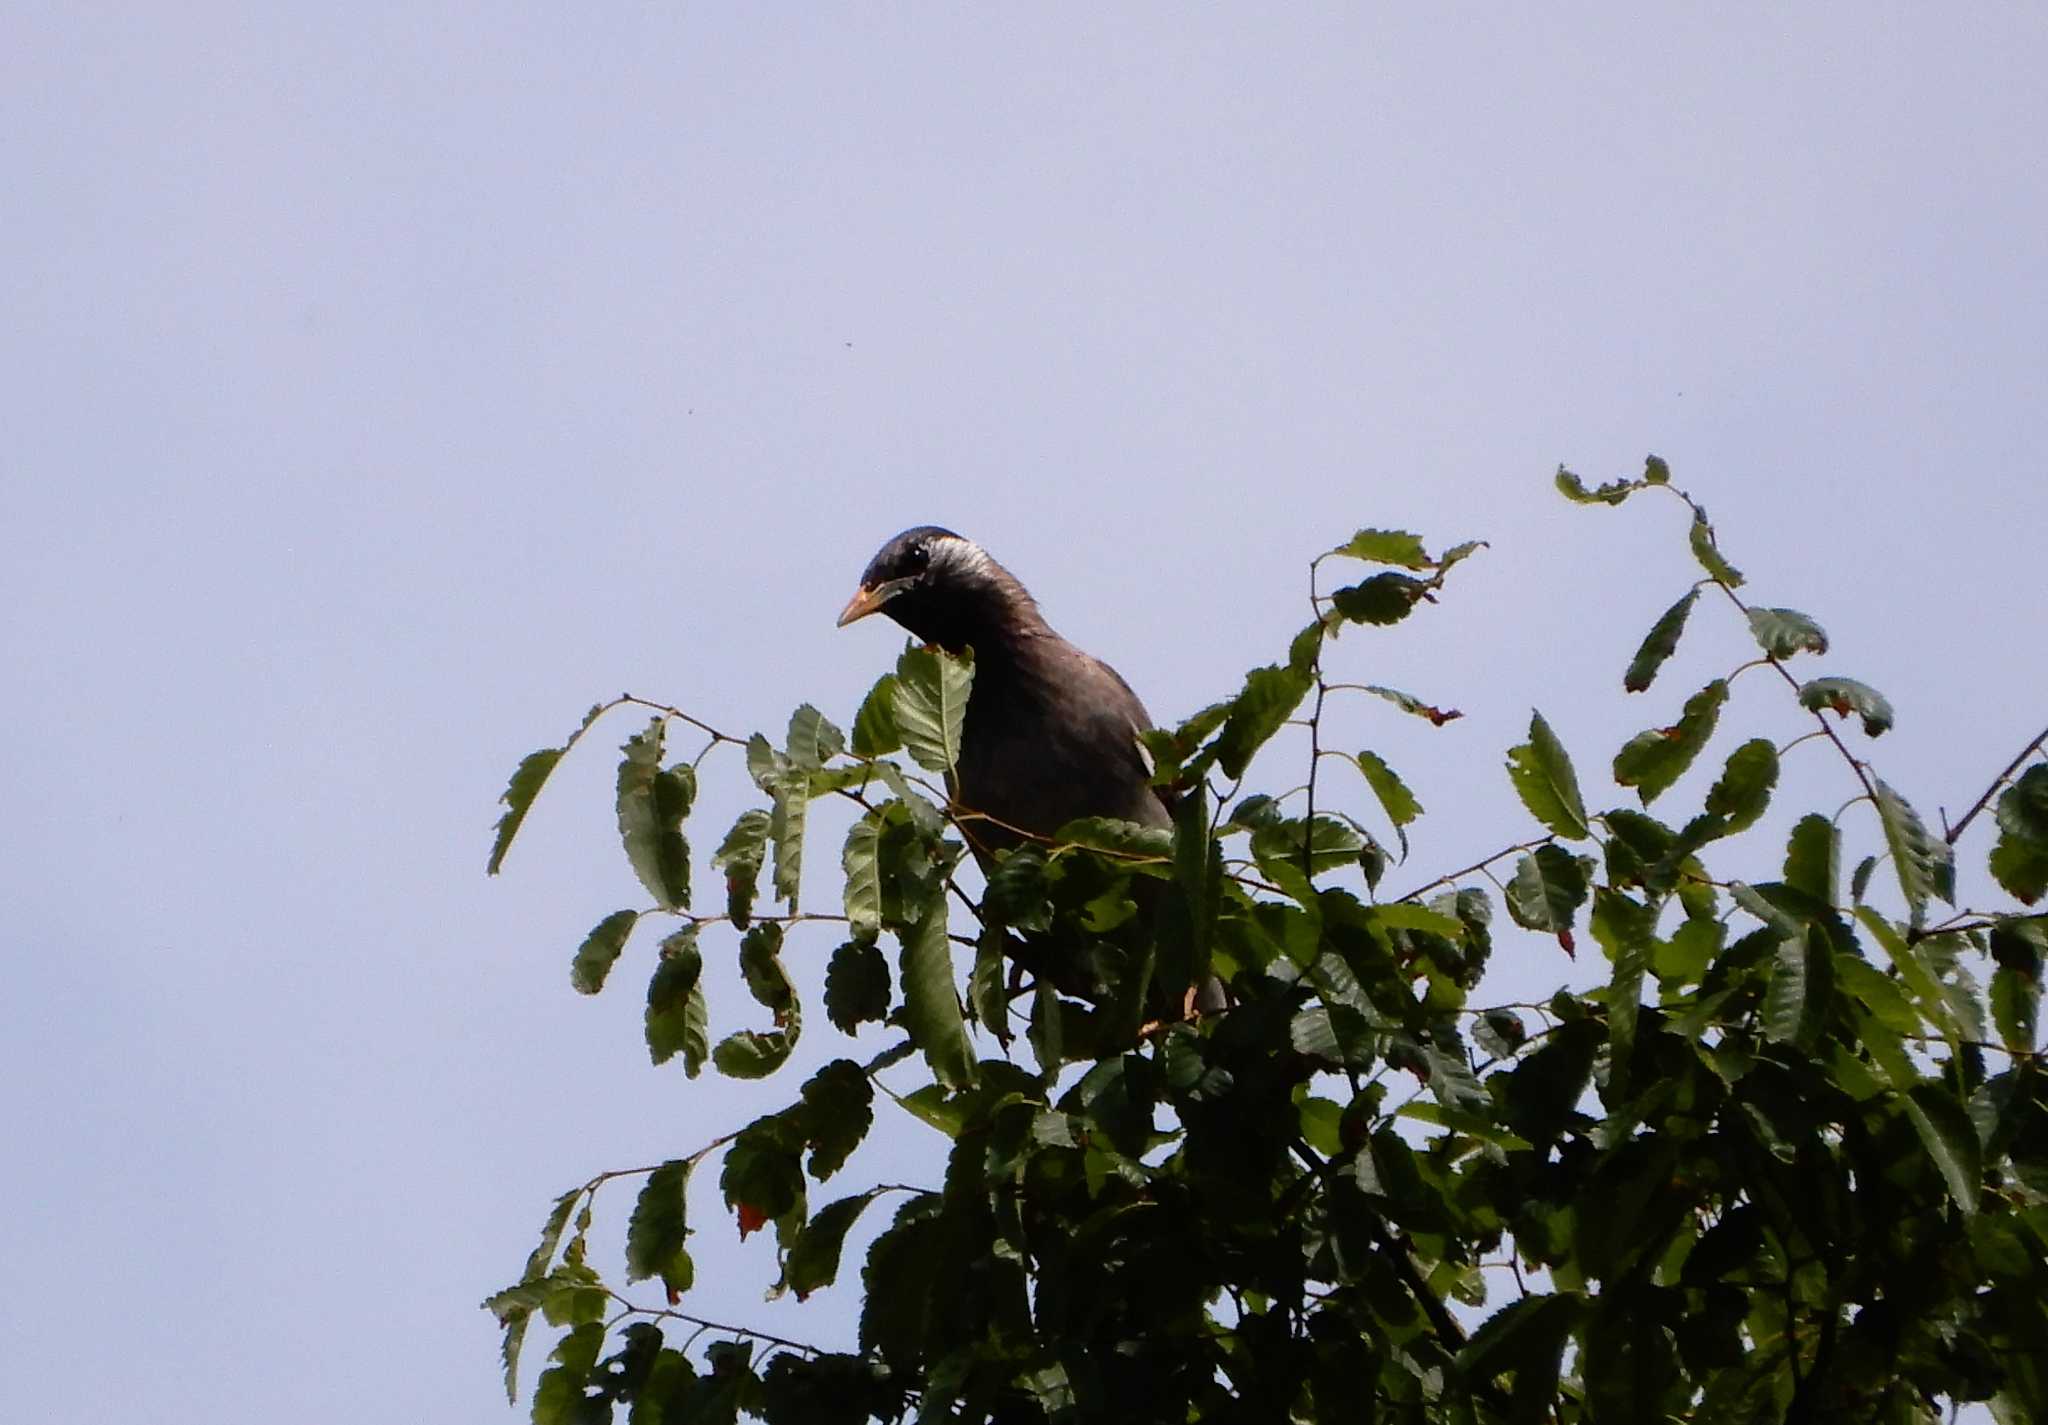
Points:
x=751 y=1218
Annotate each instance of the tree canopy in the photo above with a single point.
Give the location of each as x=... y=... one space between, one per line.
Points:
x=1789 y=1162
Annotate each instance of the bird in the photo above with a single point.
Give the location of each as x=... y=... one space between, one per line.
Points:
x=1051 y=733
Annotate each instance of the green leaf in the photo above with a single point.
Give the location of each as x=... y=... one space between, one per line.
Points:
x=931 y=705
x=761 y=967
x=838 y=1103
x=1708 y=552
x=1860 y=881
x=1407 y=915
x=1923 y=861
x=1845 y=696
x=1784 y=632
x=1626 y=931
x=1951 y=1141
x=2021 y=867
x=814 y=1257
x=874 y=726
x=1382 y=599
x=740 y=856
x=813 y=740
x=527 y=780
x=1543 y=777
x=1651 y=761
x=2016 y=1006
x=2023 y=806
x=652 y=803
x=1269 y=698
x=1611 y=493
x=1801 y=990
x=1548 y=888
x=600 y=950
x=856 y=986
x=1744 y=790
x=861 y=860
x=786 y=836
x=753 y=1053
x=1656 y=471
x=676 y=1013
x=514 y=1307
x=1658 y=644
x=1395 y=799
x=1525 y=1339
x=1812 y=857
x=1684 y=958
x=1385 y=546
x=659 y=1228
x=931 y=1007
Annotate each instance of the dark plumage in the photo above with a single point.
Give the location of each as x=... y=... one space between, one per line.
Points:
x=1051 y=733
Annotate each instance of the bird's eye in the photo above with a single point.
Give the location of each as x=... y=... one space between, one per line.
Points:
x=918 y=556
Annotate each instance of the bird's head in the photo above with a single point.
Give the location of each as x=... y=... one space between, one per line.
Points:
x=941 y=586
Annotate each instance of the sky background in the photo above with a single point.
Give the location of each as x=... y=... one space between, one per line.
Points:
x=381 y=385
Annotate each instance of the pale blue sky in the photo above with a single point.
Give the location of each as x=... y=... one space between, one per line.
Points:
x=380 y=385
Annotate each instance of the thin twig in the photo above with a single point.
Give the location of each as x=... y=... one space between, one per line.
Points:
x=2000 y=780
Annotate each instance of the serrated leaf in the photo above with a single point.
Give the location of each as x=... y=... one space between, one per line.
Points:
x=1946 y=1132
x=2023 y=806
x=838 y=1106
x=527 y=780
x=761 y=968
x=1395 y=799
x=1385 y=546
x=786 y=819
x=1801 y=990
x=652 y=803
x=861 y=860
x=1923 y=861
x=813 y=740
x=1784 y=632
x=764 y=764
x=1846 y=695
x=1526 y=1338
x=932 y=688
x=1544 y=779
x=2021 y=867
x=1860 y=881
x=931 y=1007
x=753 y=1053
x=1548 y=888
x=2016 y=1006
x=1704 y=549
x=1382 y=599
x=1269 y=698
x=1658 y=644
x=1651 y=761
x=814 y=1257
x=514 y=1307
x=856 y=986
x=659 y=1229
x=1812 y=857
x=1611 y=493
x=1744 y=790
x=600 y=950
x=676 y=1013
x=740 y=856
x=874 y=726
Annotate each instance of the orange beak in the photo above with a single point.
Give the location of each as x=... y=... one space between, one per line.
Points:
x=864 y=602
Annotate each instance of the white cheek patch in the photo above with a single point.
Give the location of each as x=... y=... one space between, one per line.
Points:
x=961 y=554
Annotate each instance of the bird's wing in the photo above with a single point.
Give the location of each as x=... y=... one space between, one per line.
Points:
x=1120 y=702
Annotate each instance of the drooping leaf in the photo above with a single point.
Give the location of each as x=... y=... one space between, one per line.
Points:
x=761 y=968
x=814 y=1258
x=1923 y=861
x=1651 y=761
x=1548 y=888
x=1611 y=493
x=856 y=986
x=786 y=820
x=874 y=726
x=1382 y=599
x=676 y=1014
x=2021 y=867
x=813 y=740
x=1812 y=857
x=1744 y=790
x=1385 y=546
x=652 y=802
x=600 y=951
x=514 y=1307
x=1626 y=931
x=740 y=856
x=1543 y=776
x=1269 y=698
x=1525 y=1339
x=1784 y=632
x=527 y=780
x=1409 y=703
x=2016 y=1006
x=2023 y=806
x=1801 y=990
x=762 y=1178
x=931 y=705
x=1708 y=552
x=838 y=1104
x=754 y=1053
x=1658 y=644
x=931 y=1006
x=861 y=860
x=1395 y=799
x=659 y=1228
x=1946 y=1132
x=1845 y=696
